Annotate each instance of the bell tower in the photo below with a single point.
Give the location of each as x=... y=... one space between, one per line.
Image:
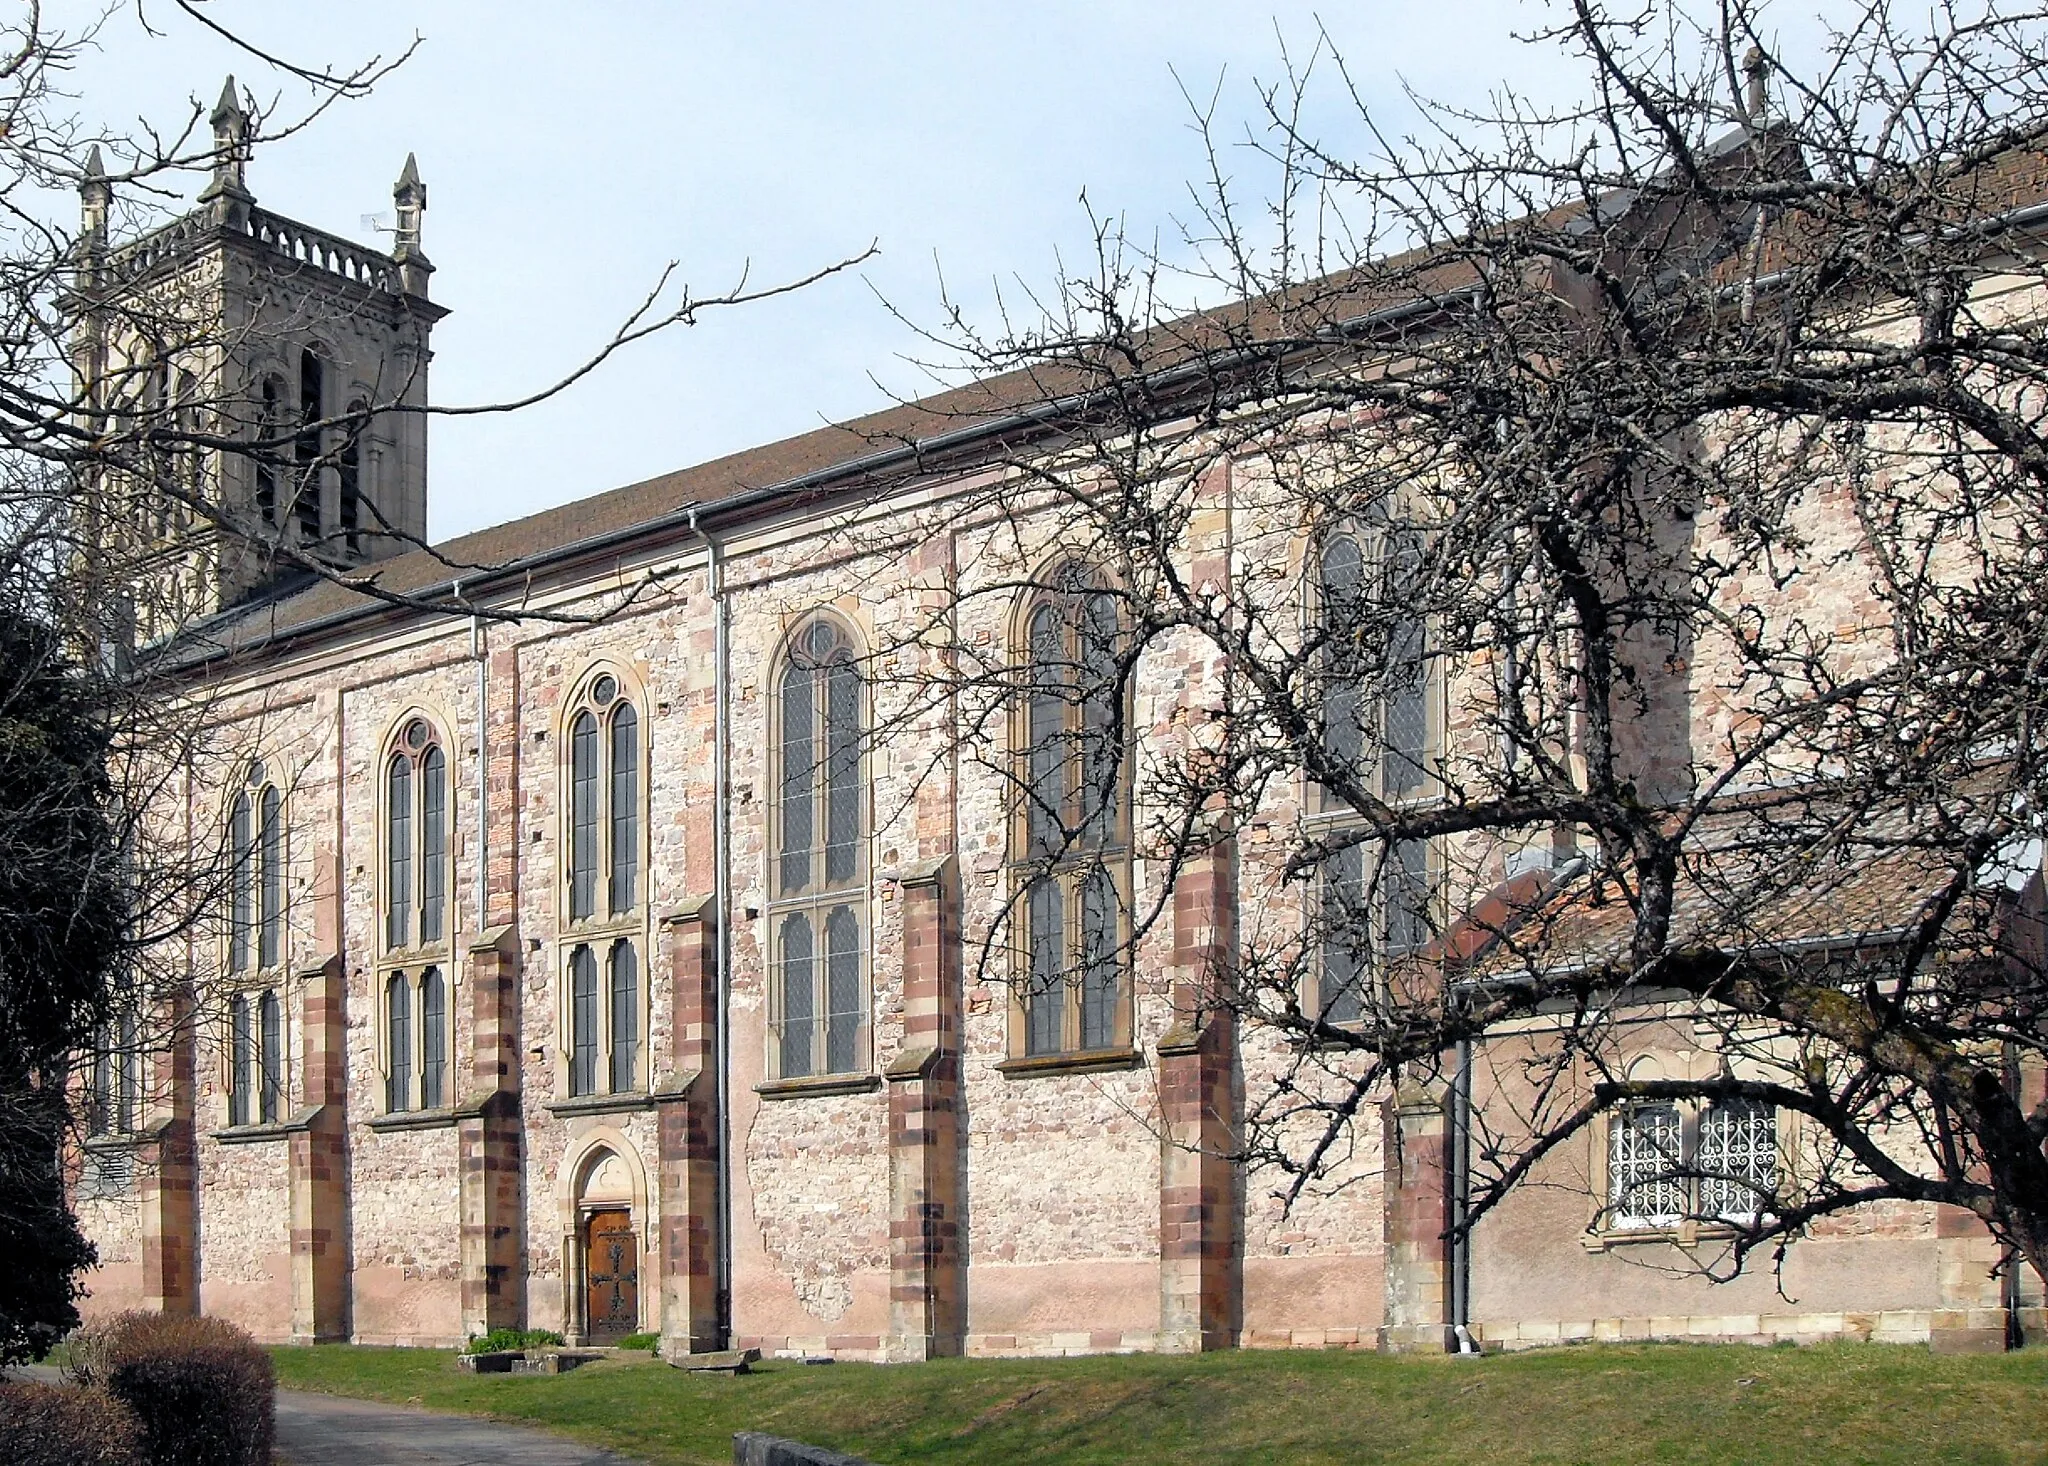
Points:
x=259 y=381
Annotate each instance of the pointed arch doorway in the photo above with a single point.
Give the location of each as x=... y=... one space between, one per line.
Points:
x=606 y=1299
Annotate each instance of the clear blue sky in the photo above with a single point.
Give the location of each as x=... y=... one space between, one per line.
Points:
x=571 y=150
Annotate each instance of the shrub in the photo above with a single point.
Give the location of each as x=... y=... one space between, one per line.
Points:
x=63 y=1425
x=498 y=1339
x=205 y=1394
x=640 y=1341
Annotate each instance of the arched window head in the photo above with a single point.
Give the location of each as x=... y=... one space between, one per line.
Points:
x=417 y=818
x=818 y=857
x=1070 y=856
x=256 y=880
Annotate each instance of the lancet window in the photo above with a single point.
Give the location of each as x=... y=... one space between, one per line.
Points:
x=1070 y=839
x=1380 y=729
x=817 y=867
x=257 y=954
x=417 y=805
x=603 y=898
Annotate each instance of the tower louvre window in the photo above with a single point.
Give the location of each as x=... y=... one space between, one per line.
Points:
x=308 y=449
x=349 y=479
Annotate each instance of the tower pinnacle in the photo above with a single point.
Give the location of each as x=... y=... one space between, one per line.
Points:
x=229 y=190
x=410 y=197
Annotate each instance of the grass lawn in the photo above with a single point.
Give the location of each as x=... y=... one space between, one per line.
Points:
x=1619 y=1403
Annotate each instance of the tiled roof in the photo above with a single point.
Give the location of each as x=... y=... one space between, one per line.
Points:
x=1773 y=873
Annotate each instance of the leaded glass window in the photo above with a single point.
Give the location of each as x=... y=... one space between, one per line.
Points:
x=256 y=876
x=417 y=821
x=398 y=1035
x=1071 y=823
x=603 y=992
x=241 y=1061
x=270 y=1019
x=114 y=1083
x=818 y=865
x=624 y=999
x=433 y=1040
x=1374 y=906
x=418 y=1047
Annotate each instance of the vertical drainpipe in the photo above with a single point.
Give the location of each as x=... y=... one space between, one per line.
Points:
x=714 y=552
x=483 y=767
x=1461 y=1201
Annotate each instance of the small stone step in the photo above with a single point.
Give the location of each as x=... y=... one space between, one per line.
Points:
x=717 y=1361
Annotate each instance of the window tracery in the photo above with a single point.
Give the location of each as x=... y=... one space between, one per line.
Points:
x=602 y=897
x=1380 y=725
x=257 y=955
x=818 y=858
x=1071 y=840
x=417 y=804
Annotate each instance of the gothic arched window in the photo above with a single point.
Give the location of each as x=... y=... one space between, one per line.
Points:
x=817 y=864
x=603 y=898
x=1071 y=840
x=416 y=800
x=1379 y=727
x=256 y=950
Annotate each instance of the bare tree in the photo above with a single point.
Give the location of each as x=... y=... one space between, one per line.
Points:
x=1617 y=537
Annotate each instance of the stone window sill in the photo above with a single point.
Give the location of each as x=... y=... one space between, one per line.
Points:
x=1085 y=1061
x=817 y=1084
x=251 y=1134
x=416 y=1119
x=601 y=1104
x=116 y=1140
x=1684 y=1234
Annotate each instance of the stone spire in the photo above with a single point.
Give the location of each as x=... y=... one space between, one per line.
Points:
x=228 y=193
x=410 y=197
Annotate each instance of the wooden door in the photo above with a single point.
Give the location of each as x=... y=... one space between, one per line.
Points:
x=611 y=1270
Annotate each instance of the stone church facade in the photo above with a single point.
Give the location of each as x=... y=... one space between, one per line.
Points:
x=466 y=1058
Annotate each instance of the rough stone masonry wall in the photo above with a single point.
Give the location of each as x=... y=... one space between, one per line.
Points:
x=1062 y=1171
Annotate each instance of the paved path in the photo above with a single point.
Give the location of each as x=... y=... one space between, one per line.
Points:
x=327 y=1430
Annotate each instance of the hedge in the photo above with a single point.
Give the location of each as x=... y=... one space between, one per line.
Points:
x=62 y=1425
x=204 y=1393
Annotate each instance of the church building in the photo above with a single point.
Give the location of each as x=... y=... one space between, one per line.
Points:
x=588 y=963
